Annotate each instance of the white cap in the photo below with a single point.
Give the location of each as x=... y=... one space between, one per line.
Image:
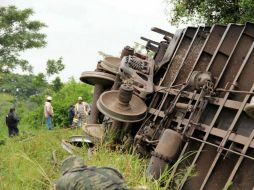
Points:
x=80 y=98
x=49 y=98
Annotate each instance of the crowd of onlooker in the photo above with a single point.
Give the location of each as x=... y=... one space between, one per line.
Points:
x=77 y=116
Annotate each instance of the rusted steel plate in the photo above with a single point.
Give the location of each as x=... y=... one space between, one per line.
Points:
x=209 y=48
x=171 y=48
x=232 y=125
x=209 y=112
x=189 y=61
x=223 y=142
x=178 y=56
x=210 y=174
x=240 y=51
x=224 y=50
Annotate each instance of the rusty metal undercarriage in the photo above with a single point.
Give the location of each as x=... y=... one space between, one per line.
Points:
x=195 y=94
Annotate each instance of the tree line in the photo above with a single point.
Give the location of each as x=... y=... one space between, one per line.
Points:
x=210 y=12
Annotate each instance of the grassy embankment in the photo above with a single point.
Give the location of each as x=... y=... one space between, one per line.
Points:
x=26 y=161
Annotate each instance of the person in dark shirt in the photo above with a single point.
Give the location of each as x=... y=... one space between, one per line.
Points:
x=12 y=123
x=71 y=114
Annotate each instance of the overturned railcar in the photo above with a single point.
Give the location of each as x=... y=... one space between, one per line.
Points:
x=199 y=93
x=204 y=92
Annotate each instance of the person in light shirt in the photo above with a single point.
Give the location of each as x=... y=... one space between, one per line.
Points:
x=48 y=112
x=82 y=109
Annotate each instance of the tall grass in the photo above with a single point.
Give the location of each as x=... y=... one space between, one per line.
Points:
x=26 y=162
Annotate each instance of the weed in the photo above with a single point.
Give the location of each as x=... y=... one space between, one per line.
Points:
x=26 y=162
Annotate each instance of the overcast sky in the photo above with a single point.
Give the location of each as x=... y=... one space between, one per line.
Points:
x=78 y=29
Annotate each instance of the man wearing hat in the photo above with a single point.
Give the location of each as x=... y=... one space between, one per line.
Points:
x=77 y=176
x=48 y=112
x=81 y=111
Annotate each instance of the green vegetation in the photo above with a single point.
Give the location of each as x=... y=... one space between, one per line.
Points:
x=30 y=108
x=22 y=86
x=54 y=66
x=18 y=33
x=25 y=158
x=67 y=96
x=210 y=11
x=26 y=161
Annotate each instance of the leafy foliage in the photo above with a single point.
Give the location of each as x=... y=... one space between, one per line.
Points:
x=18 y=33
x=39 y=80
x=67 y=96
x=23 y=108
x=62 y=99
x=54 y=66
x=211 y=11
x=6 y=102
x=23 y=86
x=57 y=84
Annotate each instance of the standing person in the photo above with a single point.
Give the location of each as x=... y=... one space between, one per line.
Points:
x=48 y=112
x=82 y=110
x=12 y=123
x=71 y=114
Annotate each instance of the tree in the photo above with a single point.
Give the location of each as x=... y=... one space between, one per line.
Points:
x=17 y=34
x=39 y=80
x=23 y=86
x=210 y=11
x=54 y=66
x=57 y=84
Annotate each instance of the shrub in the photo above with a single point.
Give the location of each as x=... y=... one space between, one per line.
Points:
x=61 y=101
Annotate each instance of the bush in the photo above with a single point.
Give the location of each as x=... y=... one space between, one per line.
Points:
x=6 y=102
x=61 y=101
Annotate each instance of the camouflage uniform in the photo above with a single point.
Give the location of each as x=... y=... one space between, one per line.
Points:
x=77 y=176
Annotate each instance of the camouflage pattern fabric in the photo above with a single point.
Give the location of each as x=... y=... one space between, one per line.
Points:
x=77 y=176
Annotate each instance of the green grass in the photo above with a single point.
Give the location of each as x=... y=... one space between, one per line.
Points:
x=26 y=161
